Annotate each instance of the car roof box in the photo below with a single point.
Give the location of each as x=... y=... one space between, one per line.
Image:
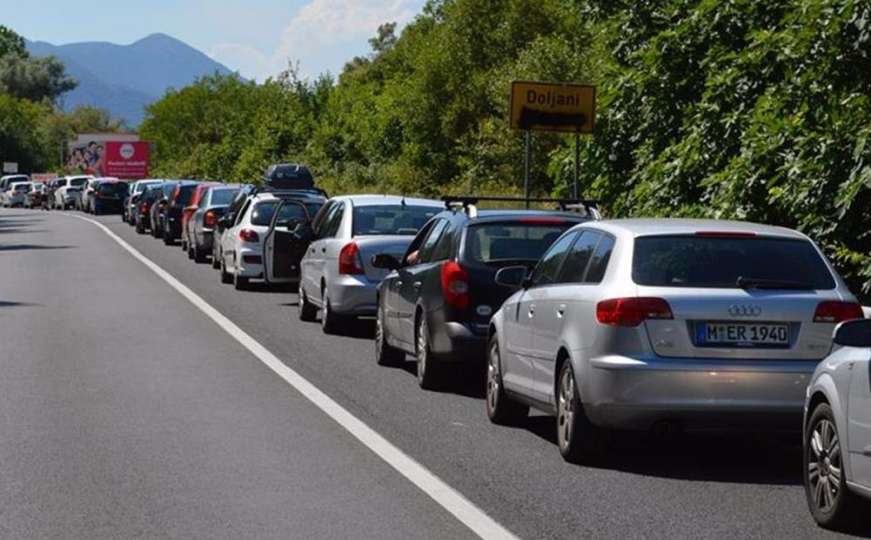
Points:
x=288 y=176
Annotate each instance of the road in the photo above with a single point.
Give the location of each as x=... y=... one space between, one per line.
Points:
x=127 y=412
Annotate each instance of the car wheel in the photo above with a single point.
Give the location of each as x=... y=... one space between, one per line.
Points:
x=428 y=371
x=241 y=283
x=168 y=240
x=307 y=311
x=577 y=437
x=226 y=277
x=501 y=409
x=331 y=321
x=831 y=502
x=385 y=354
x=199 y=256
x=216 y=260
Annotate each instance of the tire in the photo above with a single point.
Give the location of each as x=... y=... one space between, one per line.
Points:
x=199 y=257
x=501 y=409
x=830 y=501
x=385 y=354
x=429 y=372
x=226 y=277
x=331 y=322
x=307 y=311
x=241 y=283
x=578 y=439
x=216 y=259
x=168 y=240
x=140 y=228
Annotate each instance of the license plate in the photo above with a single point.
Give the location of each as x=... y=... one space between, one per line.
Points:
x=742 y=335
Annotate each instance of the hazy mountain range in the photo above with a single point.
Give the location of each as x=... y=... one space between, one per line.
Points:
x=125 y=78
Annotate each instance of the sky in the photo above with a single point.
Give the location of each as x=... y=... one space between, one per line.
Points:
x=257 y=38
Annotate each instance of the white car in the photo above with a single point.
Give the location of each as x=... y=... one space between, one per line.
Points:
x=241 y=241
x=7 y=181
x=65 y=195
x=837 y=433
x=16 y=195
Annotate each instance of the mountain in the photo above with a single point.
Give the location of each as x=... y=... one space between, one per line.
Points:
x=125 y=78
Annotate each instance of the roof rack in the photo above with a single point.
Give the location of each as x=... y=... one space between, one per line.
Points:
x=469 y=204
x=270 y=189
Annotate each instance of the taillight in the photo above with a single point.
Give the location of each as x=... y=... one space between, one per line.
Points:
x=455 y=285
x=631 y=311
x=836 y=312
x=146 y=206
x=349 y=260
x=210 y=219
x=247 y=235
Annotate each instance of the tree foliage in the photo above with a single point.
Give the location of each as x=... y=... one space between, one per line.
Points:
x=34 y=79
x=718 y=108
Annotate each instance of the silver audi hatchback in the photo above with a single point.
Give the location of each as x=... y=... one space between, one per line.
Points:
x=700 y=324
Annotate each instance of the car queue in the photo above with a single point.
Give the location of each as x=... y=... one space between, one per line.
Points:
x=606 y=324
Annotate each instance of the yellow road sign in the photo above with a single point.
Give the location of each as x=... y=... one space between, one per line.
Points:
x=569 y=108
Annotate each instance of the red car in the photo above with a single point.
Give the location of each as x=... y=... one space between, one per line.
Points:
x=189 y=210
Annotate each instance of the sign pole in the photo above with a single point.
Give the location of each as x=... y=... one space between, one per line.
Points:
x=576 y=193
x=527 y=159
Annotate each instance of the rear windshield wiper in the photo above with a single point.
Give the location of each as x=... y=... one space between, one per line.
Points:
x=761 y=283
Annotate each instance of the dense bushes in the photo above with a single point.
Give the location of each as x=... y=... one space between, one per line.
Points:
x=732 y=109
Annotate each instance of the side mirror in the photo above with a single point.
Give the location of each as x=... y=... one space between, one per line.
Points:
x=855 y=333
x=386 y=261
x=512 y=276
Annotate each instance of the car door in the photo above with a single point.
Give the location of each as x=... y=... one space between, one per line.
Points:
x=282 y=252
x=520 y=332
x=859 y=416
x=411 y=282
x=567 y=300
x=390 y=289
x=229 y=238
x=316 y=258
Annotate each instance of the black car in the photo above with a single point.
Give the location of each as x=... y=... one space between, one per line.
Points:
x=108 y=197
x=158 y=209
x=175 y=204
x=437 y=302
x=142 y=211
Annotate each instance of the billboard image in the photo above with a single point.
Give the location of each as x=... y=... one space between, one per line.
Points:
x=121 y=155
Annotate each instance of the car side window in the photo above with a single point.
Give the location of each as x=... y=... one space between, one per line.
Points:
x=320 y=218
x=445 y=246
x=333 y=221
x=426 y=250
x=241 y=215
x=548 y=267
x=599 y=262
x=578 y=259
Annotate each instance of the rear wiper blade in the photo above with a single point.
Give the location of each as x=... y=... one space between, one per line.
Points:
x=762 y=283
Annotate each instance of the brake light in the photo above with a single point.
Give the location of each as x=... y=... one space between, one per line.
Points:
x=146 y=206
x=725 y=234
x=455 y=285
x=837 y=312
x=247 y=235
x=631 y=311
x=349 y=260
x=210 y=219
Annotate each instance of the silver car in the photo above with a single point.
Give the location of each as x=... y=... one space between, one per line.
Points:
x=632 y=324
x=336 y=273
x=837 y=436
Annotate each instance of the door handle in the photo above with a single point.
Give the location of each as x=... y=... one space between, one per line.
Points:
x=531 y=311
x=561 y=310
x=416 y=285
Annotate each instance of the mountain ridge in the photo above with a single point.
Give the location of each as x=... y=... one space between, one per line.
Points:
x=124 y=79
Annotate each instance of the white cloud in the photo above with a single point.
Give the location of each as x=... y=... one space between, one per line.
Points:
x=321 y=36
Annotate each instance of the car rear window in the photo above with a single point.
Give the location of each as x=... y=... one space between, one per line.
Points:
x=262 y=213
x=291 y=212
x=391 y=219
x=78 y=181
x=184 y=195
x=492 y=242
x=112 y=188
x=222 y=196
x=697 y=261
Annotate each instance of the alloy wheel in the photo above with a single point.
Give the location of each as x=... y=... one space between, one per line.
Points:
x=825 y=466
x=566 y=408
x=494 y=378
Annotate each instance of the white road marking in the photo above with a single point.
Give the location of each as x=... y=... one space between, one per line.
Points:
x=450 y=499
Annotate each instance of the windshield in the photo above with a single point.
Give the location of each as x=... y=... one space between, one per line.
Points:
x=78 y=181
x=693 y=261
x=262 y=213
x=490 y=242
x=393 y=219
x=222 y=196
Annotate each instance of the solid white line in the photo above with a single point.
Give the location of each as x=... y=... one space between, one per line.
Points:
x=446 y=496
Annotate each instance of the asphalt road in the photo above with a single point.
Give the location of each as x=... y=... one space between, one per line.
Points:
x=126 y=412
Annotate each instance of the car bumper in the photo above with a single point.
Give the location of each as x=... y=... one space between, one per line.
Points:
x=353 y=295
x=205 y=240
x=249 y=269
x=457 y=342
x=627 y=393
x=15 y=200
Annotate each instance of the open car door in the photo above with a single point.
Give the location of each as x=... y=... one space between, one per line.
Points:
x=282 y=251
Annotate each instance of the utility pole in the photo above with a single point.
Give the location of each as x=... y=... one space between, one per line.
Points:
x=527 y=165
